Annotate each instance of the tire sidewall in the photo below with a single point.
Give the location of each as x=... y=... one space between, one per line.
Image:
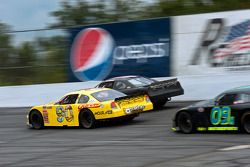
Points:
x=180 y=123
x=40 y=123
x=245 y=116
x=160 y=103
x=83 y=121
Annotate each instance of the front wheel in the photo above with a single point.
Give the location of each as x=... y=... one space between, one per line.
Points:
x=185 y=123
x=245 y=122
x=36 y=119
x=87 y=119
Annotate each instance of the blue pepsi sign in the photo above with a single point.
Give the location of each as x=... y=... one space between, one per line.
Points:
x=103 y=51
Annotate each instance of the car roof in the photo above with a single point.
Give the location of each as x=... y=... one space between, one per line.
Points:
x=241 y=89
x=122 y=77
x=87 y=91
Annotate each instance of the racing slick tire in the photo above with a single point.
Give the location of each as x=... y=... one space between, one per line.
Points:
x=159 y=103
x=245 y=122
x=36 y=119
x=131 y=117
x=185 y=123
x=87 y=119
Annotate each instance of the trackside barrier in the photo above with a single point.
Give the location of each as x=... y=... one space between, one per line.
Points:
x=30 y=95
x=196 y=88
x=203 y=87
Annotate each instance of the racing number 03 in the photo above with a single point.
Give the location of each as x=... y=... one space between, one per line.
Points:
x=221 y=116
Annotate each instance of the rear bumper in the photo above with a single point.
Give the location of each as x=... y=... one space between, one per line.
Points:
x=124 y=112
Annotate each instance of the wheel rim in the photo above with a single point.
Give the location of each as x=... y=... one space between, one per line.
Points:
x=247 y=124
x=185 y=123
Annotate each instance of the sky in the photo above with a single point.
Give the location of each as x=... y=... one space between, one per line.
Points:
x=27 y=14
x=30 y=14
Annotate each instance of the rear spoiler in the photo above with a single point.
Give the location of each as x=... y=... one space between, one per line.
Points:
x=164 y=84
x=167 y=88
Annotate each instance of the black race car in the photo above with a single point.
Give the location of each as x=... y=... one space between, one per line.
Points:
x=229 y=111
x=159 y=91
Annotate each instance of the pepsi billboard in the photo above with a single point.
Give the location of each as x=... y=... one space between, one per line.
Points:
x=103 y=51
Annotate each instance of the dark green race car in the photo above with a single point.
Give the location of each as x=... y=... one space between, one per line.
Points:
x=229 y=111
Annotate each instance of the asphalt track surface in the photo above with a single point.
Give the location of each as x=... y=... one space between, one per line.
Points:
x=145 y=142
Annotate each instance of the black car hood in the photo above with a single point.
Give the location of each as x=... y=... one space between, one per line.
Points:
x=205 y=103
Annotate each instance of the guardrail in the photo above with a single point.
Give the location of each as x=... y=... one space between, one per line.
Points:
x=195 y=87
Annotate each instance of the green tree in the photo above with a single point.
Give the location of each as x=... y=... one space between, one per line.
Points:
x=51 y=62
x=5 y=52
x=86 y=12
x=163 y=8
x=24 y=64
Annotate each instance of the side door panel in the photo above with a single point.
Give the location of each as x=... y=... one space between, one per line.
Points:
x=65 y=115
x=65 y=112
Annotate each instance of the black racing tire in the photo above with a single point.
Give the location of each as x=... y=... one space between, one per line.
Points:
x=159 y=103
x=36 y=120
x=87 y=119
x=245 y=122
x=185 y=123
x=131 y=117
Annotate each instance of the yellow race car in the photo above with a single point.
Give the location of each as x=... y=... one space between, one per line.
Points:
x=86 y=107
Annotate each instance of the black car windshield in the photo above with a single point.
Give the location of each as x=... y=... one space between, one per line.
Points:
x=106 y=95
x=141 y=81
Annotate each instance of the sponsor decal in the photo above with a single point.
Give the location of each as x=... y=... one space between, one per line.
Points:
x=134 y=109
x=103 y=112
x=201 y=128
x=91 y=105
x=132 y=100
x=221 y=116
x=165 y=84
x=45 y=115
x=132 y=48
x=64 y=113
x=200 y=109
x=140 y=51
x=216 y=128
x=225 y=46
x=91 y=54
x=222 y=128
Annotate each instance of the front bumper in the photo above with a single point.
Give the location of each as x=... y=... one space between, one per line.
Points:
x=174 y=127
x=28 y=122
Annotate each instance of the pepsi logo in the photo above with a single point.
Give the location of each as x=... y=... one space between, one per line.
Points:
x=91 y=54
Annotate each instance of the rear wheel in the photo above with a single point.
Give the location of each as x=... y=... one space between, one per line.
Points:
x=245 y=122
x=36 y=119
x=87 y=119
x=185 y=123
x=131 y=117
x=159 y=103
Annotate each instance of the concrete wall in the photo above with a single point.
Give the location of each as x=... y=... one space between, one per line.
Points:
x=196 y=87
